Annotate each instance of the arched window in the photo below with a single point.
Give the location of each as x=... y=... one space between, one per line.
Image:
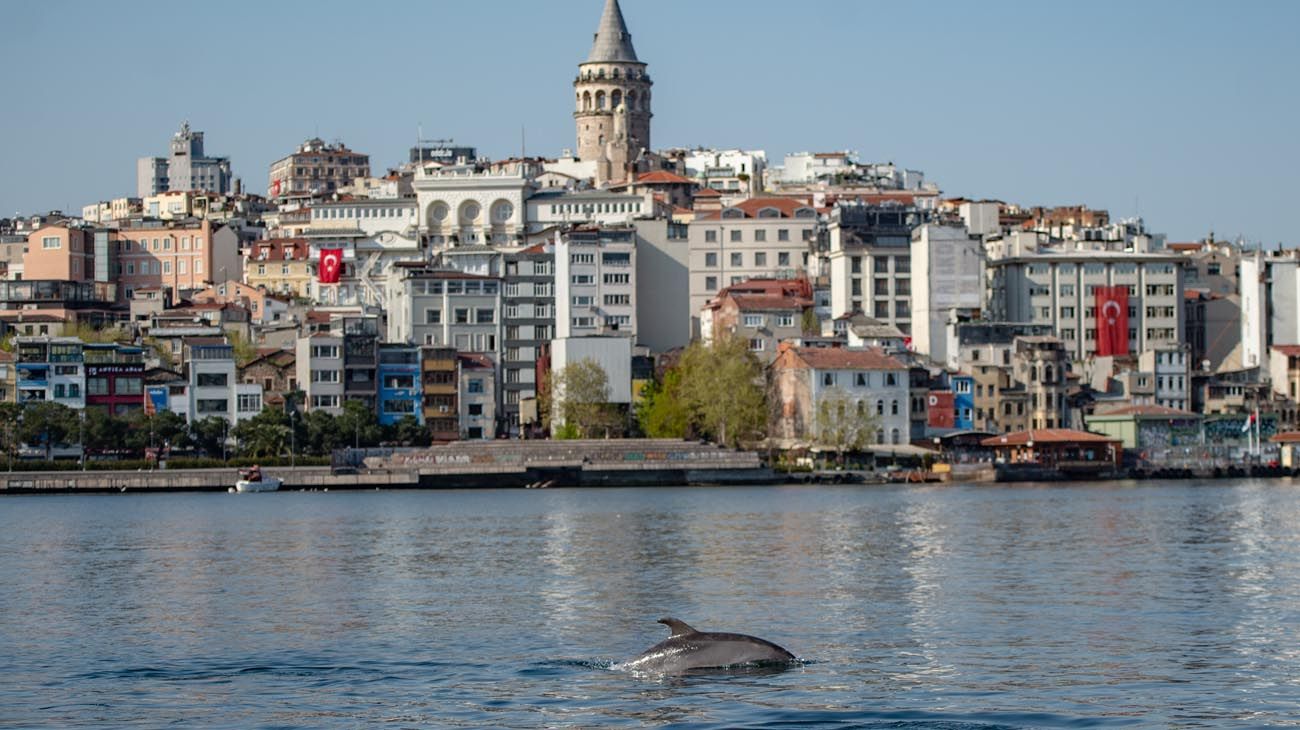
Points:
x=880 y=435
x=880 y=408
x=893 y=408
x=1047 y=375
x=586 y=101
x=600 y=100
x=895 y=437
x=631 y=101
x=1033 y=373
x=615 y=98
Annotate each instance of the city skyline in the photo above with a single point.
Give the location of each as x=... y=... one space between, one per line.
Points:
x=1174 y=112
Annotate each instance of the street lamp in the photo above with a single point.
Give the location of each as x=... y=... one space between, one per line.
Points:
x=81 y=435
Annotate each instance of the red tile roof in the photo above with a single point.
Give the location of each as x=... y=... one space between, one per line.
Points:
x=1288 y=350
x=785 y=206
x=1048 y=436
x=474 y=361
x=839 y=358
x=707 y=193
x=662 y=177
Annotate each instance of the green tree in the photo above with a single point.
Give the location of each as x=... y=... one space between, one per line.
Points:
x=245 y=350
x=144 y=430
x=359 y=425
x=842 y=424
x=48 y=424
x=209 y=435
x=266 y=434
x=579 y=399
x=408 y=431
x=322 y=433
x=723 y=390
x=662 y=412
x=9 y=413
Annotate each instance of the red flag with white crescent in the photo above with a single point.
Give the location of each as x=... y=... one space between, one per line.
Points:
x=331 y=265
x=1112 y=320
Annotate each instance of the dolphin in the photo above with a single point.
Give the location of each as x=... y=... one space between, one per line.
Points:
x=688 y=649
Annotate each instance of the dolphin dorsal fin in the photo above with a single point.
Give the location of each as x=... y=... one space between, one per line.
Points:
x=679 y=628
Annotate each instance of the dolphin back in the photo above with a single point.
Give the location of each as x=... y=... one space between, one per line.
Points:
x=690 y=649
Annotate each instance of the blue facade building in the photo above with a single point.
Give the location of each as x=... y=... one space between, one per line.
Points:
x=399 y=383
x=963 y=401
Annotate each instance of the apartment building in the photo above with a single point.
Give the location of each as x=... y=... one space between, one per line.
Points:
x=51 y=370
x=280 y=266
x=1061 y=289
x=870 y=259
x=477 y=399
x=876 y=383
x=186 y=167
x=441 y=386
x=528 y=323
x=114 y=377
x=368 y=237
x=595 y=282
x=400 y=391
x=762 y=312
x=319 y=365
x=213 y=388
x=59 y=252
x=316 y=168
x=441 y=307
x=758 y=238
x=180 y=255
x=1170 y=368
x=947 y=284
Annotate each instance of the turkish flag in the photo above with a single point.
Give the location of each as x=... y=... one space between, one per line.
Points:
x=331 y=265
x=1112 y=320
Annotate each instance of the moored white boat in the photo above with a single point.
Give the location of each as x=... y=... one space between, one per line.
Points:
x=267 y=484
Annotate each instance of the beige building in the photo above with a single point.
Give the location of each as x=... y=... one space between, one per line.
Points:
x=181 y=255
x=759 y=238
x=317 y=168
x=280 y=266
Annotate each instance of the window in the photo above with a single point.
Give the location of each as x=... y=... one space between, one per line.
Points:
x=48 y=242
x=475 y=385
x=127 y=386
x=710 y=283
x=618 y=278
x=211 y=380
x=582 y=300
x=462 y=316
x=167 y=267
x=828 y=379
x=737 y=260
x=584 y=279
x=760 y=235
x=485 y=315
x=757 y=344
x=785 y=320
x=584 y=322
x=325 y=351
x=760 y=259
x=710 y=236
x=862 y=380
x=212 y=405
x=475 y=409
x=617 y=299
x=582 y=258
x=324 y=401
x=325 y=376
x=97 y=386
x=249 y=402
x=753 y=320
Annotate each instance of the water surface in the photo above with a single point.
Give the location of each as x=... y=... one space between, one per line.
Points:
x=1166 y=604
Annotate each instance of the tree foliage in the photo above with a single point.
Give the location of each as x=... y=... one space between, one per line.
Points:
x=841 y=423
x=662 y=413
x=718 y=391
x=578 y=402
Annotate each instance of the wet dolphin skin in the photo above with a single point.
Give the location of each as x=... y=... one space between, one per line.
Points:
x=688 y=649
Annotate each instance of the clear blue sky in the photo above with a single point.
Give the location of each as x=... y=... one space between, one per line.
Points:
x=1185 y=112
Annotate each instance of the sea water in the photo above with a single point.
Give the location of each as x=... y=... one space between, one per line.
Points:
x=1065 y=605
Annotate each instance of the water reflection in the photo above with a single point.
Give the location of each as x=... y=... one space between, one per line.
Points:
x=1051 y=605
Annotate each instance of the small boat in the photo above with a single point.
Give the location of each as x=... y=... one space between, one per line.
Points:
x=252 y=480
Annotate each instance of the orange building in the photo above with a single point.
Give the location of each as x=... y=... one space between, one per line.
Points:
x=183 y=255
x=58 y=252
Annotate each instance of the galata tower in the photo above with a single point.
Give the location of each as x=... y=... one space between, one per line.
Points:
x=612 y=100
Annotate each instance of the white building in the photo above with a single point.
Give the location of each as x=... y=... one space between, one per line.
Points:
x=947 y=280
x=595 y=282
x=730 y=172
x=612 y=354
x=213 y=389
x=1173 y=382
x=548 y=209
x=876 y=384
x=372 y=235
x=1270 y=304
x=461 y=206
x=319 y=366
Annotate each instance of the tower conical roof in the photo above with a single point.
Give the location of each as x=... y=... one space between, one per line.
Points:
x=613 y=42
